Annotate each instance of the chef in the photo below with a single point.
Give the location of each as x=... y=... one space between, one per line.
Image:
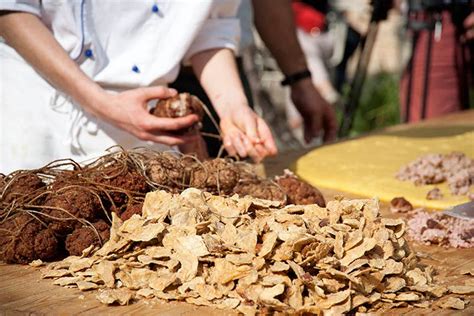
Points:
x=77 y=76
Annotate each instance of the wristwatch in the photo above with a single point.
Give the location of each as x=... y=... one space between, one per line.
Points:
x=294 y=78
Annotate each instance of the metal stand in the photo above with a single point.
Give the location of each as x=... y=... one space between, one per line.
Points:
x=379 y=13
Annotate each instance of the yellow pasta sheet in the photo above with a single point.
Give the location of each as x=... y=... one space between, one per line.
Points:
x=367 y=166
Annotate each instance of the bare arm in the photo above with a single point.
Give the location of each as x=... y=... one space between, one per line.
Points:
x=275 y=25
x=245 y=133
x=280 y=38
x=36 y=44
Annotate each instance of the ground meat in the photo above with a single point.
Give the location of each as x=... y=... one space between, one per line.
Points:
x=400 y=205
x=455 y=168
x=131 y=210
x=434 y=194
x=217 y=176
x=70 y=203
x=299 y=192
x=261 y=189
x=440 y=229
x=23 y=239
x=22 y=186
x=83 y=237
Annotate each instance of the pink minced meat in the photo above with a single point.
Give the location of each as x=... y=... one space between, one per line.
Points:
x=455 y=168
x=440 y=229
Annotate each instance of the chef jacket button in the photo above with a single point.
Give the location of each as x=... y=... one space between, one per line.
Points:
x=136 y=69
x=88 y=53
x=155 y=8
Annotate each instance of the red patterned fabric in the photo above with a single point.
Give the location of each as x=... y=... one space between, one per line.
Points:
x=307 y=18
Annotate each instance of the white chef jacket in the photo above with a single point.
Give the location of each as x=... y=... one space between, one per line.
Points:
x=120 y=45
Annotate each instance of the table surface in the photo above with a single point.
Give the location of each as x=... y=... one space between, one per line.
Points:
x=22 y=291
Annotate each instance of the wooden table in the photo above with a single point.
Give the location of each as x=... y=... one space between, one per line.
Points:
x=22 y=291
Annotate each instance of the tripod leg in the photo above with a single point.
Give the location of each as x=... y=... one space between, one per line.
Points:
x=410 y=71
x=357 y=83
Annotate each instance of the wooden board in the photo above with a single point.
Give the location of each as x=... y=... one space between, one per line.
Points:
x=22 y=291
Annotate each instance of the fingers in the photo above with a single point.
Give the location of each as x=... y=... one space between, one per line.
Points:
x=255 y=151
x=261 y=153
x=157 y=92
x=232 y=137
x=228 y=146
x=266 y=136
x=167 y=139
x=470 y=34
x=151 y=123
x=312 y=127
x=469 y=21
x=250 y=126
x=237 y=142
x=234 y=145
x=330 y=125
x=469 y=26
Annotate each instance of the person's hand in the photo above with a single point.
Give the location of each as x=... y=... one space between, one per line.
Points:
x=318 y=115
x=128 y=111
x=247 y=134
x=469 y=26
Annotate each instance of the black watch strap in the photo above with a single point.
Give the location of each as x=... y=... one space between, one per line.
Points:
x=294 y=78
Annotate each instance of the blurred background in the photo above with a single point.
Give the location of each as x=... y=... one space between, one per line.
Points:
x=332 y=34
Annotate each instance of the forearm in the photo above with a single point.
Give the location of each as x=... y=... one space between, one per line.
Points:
x=37 y=45
x=217 y=71
x=280 y=38
x=243 y=132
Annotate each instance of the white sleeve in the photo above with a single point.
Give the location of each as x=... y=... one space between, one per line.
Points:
x=220 y=30
x=30 y=6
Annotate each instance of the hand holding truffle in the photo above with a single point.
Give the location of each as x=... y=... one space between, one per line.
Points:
x=244 y=133
x=128 y=110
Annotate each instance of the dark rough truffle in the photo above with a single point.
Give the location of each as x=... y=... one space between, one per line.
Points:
x=121 y=183
x=3 y=181
x=299 y=192
x=83 y=237
x=167 y=172
x=70 y=203
x=131 y=210
x=260 y=189
x=400 y=205
x=217 y=176
x=434 y=194
x=178 y=106
x=22 y=186
x=24 y=239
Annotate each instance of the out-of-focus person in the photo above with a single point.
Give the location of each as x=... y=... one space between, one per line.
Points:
x=318 y=46
x=436 y=80
x=77 y=77
x=275 y=24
